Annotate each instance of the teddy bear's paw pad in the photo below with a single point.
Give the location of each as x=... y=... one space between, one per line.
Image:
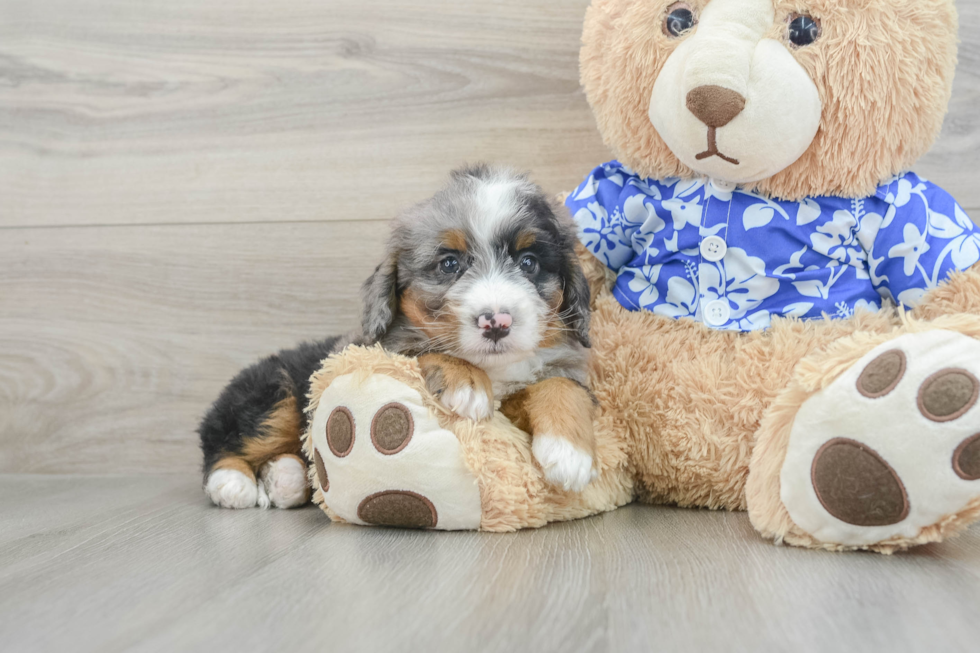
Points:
x=398 y=508
x=891 y=446
x=382 y=459
x=966 y=459
x=857 y=486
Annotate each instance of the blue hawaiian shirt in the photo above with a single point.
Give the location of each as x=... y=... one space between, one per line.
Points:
x=733 y=259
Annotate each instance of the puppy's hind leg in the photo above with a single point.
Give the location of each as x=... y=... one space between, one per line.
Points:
x=255 y=421
x=283 y=481
x=231 y=484
x=272 y=450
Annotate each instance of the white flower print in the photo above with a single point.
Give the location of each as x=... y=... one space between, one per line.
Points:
x=681 y=301
x=761 y=213
x=807 y=212
x=911 y=297
x=740 y=279
x=965 y=248
x=644 y=282
x=758 y=320
x=794 y=264
x=848 y=236
x=602 y=235
x=644 y=187
x=826 y=256
x=915 y=246
x=636 y=211
x=684 y=212
x=835 y=238
x=819 y=287
x=614 y=174
x=588 y=189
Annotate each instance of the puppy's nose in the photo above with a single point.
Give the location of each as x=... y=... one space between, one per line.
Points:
x=495 y=325
x=715 y=106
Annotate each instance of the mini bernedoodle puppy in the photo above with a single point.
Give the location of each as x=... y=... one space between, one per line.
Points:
x=482 y=284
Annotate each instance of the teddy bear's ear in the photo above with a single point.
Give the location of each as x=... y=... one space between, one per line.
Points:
x=380 y=298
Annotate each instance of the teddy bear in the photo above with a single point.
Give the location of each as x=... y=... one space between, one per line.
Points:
x=785 y=318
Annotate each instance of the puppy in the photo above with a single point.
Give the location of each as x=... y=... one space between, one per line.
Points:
x=482 y=284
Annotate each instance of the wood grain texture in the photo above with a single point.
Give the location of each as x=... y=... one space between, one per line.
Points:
x=193 y=111
x=111 y=564
x=114 y=340
x=187 y=111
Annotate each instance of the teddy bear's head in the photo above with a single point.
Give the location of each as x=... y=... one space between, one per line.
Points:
x=792 y=97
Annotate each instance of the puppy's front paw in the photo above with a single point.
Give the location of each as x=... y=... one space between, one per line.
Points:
x=563 y=463
x=462 y=388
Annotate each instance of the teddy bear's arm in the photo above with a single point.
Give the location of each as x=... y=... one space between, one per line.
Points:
x=924 y=236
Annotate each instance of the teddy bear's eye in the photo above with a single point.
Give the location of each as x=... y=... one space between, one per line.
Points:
x=679 y=19
x=803 y=30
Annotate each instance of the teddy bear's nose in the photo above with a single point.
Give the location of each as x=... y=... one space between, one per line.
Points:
x=715 y=106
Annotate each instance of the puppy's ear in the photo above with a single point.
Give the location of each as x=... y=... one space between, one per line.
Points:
x=380 y=298
x=575 y=305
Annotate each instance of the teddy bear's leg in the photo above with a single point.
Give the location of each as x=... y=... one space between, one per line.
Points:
x=876 y=442
x=387 y=453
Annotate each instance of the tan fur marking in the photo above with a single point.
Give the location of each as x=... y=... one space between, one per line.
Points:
x=555 y=329
x=235 y=463
x=454 y=239
x=447 y=373
x=557 y=406
x=525 y=239
x=279 y=434
x=431 y=324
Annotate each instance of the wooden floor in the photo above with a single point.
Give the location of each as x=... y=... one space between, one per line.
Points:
x=110 y=564
x=186 y=185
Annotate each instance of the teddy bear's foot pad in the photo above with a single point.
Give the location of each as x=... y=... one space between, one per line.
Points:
x=890 y=447
x=382 y=459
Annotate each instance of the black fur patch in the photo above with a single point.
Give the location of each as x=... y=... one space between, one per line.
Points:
x=248 y=400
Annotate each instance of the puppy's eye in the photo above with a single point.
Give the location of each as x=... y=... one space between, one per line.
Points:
x=803 y=30
x=679 y=19
x=449 y=265
x=529 y=264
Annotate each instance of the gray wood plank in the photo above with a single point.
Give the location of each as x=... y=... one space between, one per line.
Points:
x=145 y=564
x=186 y=111
x=114 y=340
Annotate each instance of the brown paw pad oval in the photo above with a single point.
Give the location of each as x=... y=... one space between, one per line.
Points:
x=340 y=431
x=966 y=459
x=948 y=394
x=882 y=374
x=321 y=471
x=399 y=508
x=392 y=428
x=855 y=485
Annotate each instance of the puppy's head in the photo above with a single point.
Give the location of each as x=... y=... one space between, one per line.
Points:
x=484 y=270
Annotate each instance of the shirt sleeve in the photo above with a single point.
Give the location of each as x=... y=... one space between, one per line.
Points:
x=924 y=236
x=596 y=206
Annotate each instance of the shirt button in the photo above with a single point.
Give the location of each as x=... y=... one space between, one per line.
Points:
x=722 y=185
x=716 y=313
x=713 y=248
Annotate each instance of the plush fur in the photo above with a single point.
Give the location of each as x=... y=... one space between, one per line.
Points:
x=879 y=113
x=696 y=417
x=514 y=494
